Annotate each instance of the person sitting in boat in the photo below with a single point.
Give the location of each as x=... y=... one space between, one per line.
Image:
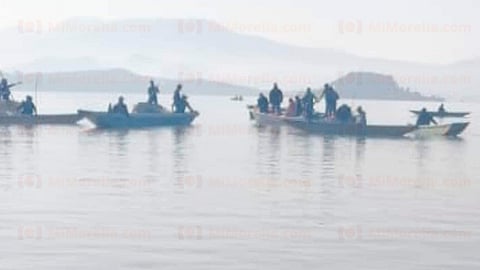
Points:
x=441 y=109
x=120 y=107
x=309 y=102
x=291 y=110
x=425 y=118
x=177 y=97
x=262 y=103
x=344 y=114
x=152 y=93
x=27 y=107
x=361 y=117
x=182 y=105
x=298 y=106
x=276 y=98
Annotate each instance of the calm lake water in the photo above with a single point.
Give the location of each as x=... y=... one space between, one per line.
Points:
x=225 y=194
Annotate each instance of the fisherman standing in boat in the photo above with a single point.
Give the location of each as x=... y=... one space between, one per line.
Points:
x=120 y=107
x=5 y=89
x=276 y=98
x=309 y=102
x=331 y=97
x=27 y=107
x=152 y=93
x=262 y=103
x=177 y=97
x=425 y=118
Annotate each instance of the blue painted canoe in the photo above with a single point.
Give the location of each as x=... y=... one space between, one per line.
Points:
x=138 y=120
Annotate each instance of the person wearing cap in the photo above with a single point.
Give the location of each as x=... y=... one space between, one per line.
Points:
x=120 y=107
x=152 y=93
x=27 y=107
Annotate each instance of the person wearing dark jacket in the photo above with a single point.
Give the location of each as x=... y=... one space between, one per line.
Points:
x=425 y=118
x=344 y=114
x=182 y=105
x=177 y=97
x=262 y=103
x=331 y=97
x=308 y=103
x=276 y=98
x=152 y=93
x=120 y=107
x=27 y=107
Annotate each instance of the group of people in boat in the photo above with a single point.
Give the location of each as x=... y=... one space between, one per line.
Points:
x=305 y=106
x=180 y=101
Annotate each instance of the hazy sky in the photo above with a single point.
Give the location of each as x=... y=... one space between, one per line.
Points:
x=439 y=31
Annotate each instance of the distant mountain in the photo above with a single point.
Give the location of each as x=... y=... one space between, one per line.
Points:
x=120 y=81
x=368 y=85
x=363 y=85
x=203 y=50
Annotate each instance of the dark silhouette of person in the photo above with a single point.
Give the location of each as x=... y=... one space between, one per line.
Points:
x=344 y=114
x=5 y=89
x=276 y=98
x=331 y=97
x=308 y=103
x=425 y=118
x=27 y=107
x=153 y=91
x=361 y=117
x=262 y=103
x=120 y=107
x=177 y=97
x=441 y=109
x=182 y=105
x=298 y=106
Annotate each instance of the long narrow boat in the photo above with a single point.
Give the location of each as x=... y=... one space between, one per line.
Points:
x=9 y=116
x=453 y=129
x=443 y=114
x=46 y=119
x=352 y=129
x=138 y=120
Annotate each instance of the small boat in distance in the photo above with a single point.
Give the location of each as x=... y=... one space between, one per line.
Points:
x=237 y=98
x=443 y=114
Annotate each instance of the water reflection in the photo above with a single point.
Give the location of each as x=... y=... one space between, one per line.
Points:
x=328 y=157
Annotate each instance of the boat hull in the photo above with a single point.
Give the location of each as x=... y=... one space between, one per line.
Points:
x=450 y=130
x=444 y=114
x=138 y=120
x=53 y=119
x=352 y=129
x=270 y=119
